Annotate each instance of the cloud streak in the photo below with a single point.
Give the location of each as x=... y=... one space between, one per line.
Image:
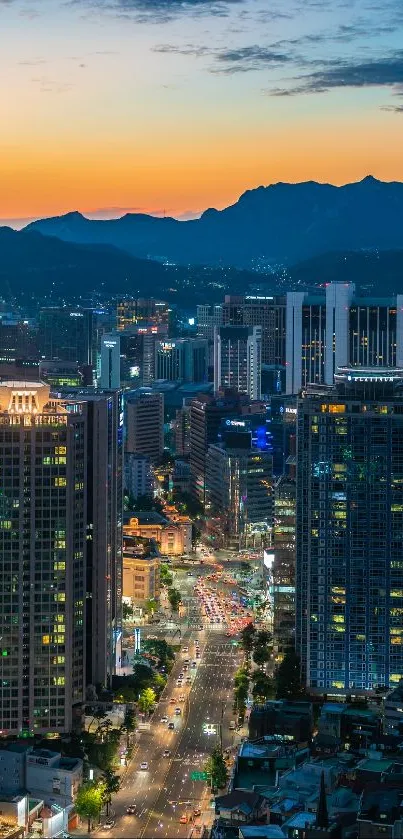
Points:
x=384 y=72
x=160 y=11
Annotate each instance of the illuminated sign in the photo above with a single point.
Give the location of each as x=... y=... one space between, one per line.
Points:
x=110 y=344
x=169 y=345
x=291 y=410
x=235 y=423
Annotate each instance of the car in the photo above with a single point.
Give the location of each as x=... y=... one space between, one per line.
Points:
x=197 y=654
x=178 y=712
x=164 y=719
x=166 y=753
x=183 y=819
x=189 y=574
x=182 y=697
x=179 y=683
x=197 y=812
x=172 y=700
x=188 y=681
x=185 y=649
x=108 y=824
x=171 y=726
x=131 y=809
x=186 y=661
x=144 y=766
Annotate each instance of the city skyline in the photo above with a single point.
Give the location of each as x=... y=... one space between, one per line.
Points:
x=99 y=95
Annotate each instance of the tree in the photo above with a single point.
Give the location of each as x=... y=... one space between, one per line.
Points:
x=89 y=801
x=99 y=714
x=261 y=656
x=147 y=699
x=165 y=575
x=247 y=637
x=161 y=649
x=174 y=599
x=262 y=638
x=288 y=677
x=130 y=719
x=150 y=606
x=216 y=769
x=263 y=686
x=112 y=785
x=127 y=611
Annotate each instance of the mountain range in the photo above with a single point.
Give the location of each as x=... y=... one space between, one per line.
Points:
x=36 y=268
x=281 y=224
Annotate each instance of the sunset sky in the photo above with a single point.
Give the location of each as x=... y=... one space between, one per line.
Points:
x=110 y=106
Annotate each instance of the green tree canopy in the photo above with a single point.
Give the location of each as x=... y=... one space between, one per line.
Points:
x=89 y=801
x=174 y=599
x=216 y=769
x=247 y=637
x=261 y=656
x=147 y=700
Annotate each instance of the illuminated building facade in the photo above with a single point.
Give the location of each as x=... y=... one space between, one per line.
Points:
x=239 y=485
x=282 y=591
x=185 y=359
x=334 y=329
x=237 y=359
x=172 y=534
x=131 y=311
x=43 y=455
x=349 y=593
x=110 y=361
x=141 y=571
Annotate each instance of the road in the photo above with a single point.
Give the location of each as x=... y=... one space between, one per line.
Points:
x=160 y=790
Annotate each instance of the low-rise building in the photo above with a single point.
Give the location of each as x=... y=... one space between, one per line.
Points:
x=381 y=814
x=280 y=716
x=171 y=532
x=261 y=761
x=141 y=570
x=52 y=777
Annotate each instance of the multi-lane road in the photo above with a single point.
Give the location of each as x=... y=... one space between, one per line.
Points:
x=164 y=792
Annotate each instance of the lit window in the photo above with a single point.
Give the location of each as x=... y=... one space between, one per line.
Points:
x=336 y=409
x=45 y=639
x=60 y=482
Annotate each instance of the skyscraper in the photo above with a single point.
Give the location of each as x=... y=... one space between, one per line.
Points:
x=66 y=334
x=239 y=492
x=110 y=361
x=349 y=594
x=183 y=360
x=43 y=497
x=237 y=359
x=335 y=328
x=267 y=312
x=206 y=414
x=145 y=423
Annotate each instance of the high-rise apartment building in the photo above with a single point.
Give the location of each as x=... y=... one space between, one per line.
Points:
x=183 y=360
x=43 y=495
x=182 y=430
x=282 y=585
x=145 y=423
x=237 y=359
x=103 y=412
x=138 y=476
x=349 y=594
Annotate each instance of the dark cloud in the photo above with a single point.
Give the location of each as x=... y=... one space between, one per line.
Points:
x=159 y=10
x=228 y=61
x=245 y=59
x=384 y=72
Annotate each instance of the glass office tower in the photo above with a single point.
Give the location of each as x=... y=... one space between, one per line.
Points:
x=349 y=592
